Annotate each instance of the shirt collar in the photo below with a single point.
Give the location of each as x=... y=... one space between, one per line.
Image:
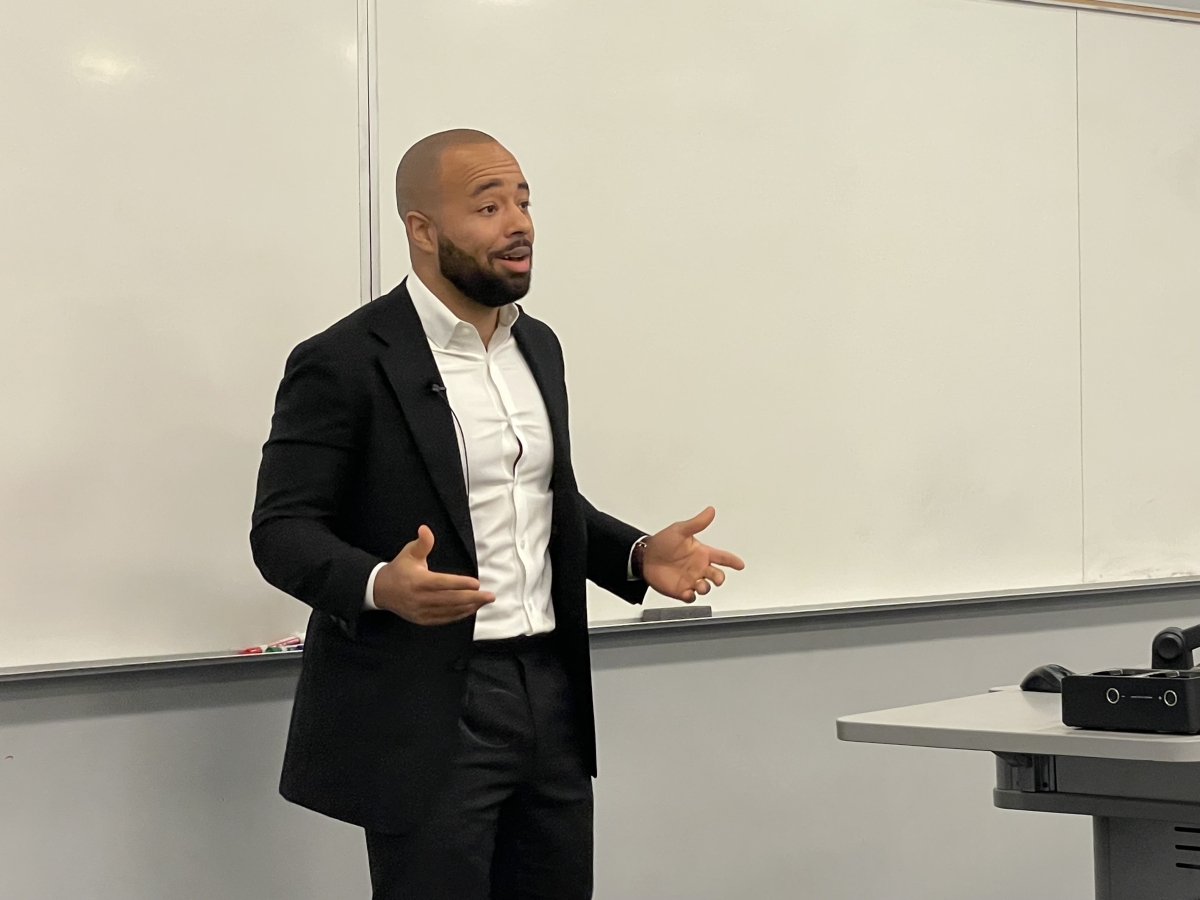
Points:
x=439 y=323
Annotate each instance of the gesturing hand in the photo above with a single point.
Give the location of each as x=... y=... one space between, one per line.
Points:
x=406 y=587
x=679 y=566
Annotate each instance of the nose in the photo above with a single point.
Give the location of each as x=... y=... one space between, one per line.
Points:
x=518 y=222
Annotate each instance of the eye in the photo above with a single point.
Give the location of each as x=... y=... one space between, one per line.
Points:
x=489 y=209
x=525 y=204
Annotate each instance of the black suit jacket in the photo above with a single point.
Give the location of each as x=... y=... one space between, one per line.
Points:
x=362 y=451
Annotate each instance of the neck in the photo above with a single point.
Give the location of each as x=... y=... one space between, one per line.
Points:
x=486 y=319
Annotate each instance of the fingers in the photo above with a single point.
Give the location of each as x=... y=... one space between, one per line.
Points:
x=473 y=599
x=408 y=588
x=713 y=577
x=454 y=600
x=699 y=522
x=725 y=558
x=443 y=607
x=431 y=600
x=421 y=547
x=439 y=581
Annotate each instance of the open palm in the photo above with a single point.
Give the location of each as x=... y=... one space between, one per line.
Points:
x=678 y=565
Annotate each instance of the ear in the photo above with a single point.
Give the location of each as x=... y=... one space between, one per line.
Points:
x=422 y=233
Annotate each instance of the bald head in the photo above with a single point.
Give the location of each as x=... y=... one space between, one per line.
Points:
x=419 y=172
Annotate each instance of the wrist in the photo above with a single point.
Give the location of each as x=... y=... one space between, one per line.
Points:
x=384 y=588
x=369 y=594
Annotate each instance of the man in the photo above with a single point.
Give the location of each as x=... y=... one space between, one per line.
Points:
x=417 y=491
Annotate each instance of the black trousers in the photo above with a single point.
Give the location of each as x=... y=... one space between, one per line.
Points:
x=515 y=819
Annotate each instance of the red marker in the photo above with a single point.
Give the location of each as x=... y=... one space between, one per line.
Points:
x=295 y=642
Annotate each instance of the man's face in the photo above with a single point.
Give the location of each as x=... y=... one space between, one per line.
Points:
x=485 y=236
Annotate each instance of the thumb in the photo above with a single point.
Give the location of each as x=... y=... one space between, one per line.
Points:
x=421 y=547
x=698 y=522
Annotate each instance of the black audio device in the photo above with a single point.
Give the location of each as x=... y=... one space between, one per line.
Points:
x=1163 y=699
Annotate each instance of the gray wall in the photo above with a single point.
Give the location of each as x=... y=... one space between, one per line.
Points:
x=720 y=773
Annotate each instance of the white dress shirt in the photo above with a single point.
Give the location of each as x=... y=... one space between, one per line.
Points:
x=507 y=455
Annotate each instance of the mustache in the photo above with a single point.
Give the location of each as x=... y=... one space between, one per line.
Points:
x=518 y=243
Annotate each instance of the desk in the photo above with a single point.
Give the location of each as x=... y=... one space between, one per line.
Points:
x=1141 y=790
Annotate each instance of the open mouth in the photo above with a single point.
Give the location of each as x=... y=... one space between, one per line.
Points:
x=517 y=259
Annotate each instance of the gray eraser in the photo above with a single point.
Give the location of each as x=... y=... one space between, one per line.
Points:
x=665 y=614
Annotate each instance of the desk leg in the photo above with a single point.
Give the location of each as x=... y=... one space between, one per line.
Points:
x=1144 y=859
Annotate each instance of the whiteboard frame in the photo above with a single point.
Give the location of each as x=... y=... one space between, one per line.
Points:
x=1119 y=7
x=368 y=155
x=371 y=287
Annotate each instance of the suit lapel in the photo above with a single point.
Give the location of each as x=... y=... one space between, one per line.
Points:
x=541 y=356
x=554 y=395
x=411 y=371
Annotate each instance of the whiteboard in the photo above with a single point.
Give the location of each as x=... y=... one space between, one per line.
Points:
x=814 y=263
x=828 y=266
x=1139 y=150
x=178 y=208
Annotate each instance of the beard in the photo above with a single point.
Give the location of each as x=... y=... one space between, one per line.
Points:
x=477 y=283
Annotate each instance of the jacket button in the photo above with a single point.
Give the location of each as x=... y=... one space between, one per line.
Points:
x=459 y=665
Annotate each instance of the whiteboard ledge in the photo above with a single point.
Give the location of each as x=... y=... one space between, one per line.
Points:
x=1164 y=588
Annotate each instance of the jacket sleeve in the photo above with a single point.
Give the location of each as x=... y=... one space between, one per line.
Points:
x=313 y=442
x=609 y=542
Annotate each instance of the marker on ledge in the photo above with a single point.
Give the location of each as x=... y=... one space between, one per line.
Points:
x=295 y=642
x=670 y=613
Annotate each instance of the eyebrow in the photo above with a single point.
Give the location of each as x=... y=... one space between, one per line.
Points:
x=495 y=183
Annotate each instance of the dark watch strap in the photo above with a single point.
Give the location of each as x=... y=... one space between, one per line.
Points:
x=637 y=557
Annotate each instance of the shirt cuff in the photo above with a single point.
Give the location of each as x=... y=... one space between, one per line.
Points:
x=628 y=564
x=369 y=598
